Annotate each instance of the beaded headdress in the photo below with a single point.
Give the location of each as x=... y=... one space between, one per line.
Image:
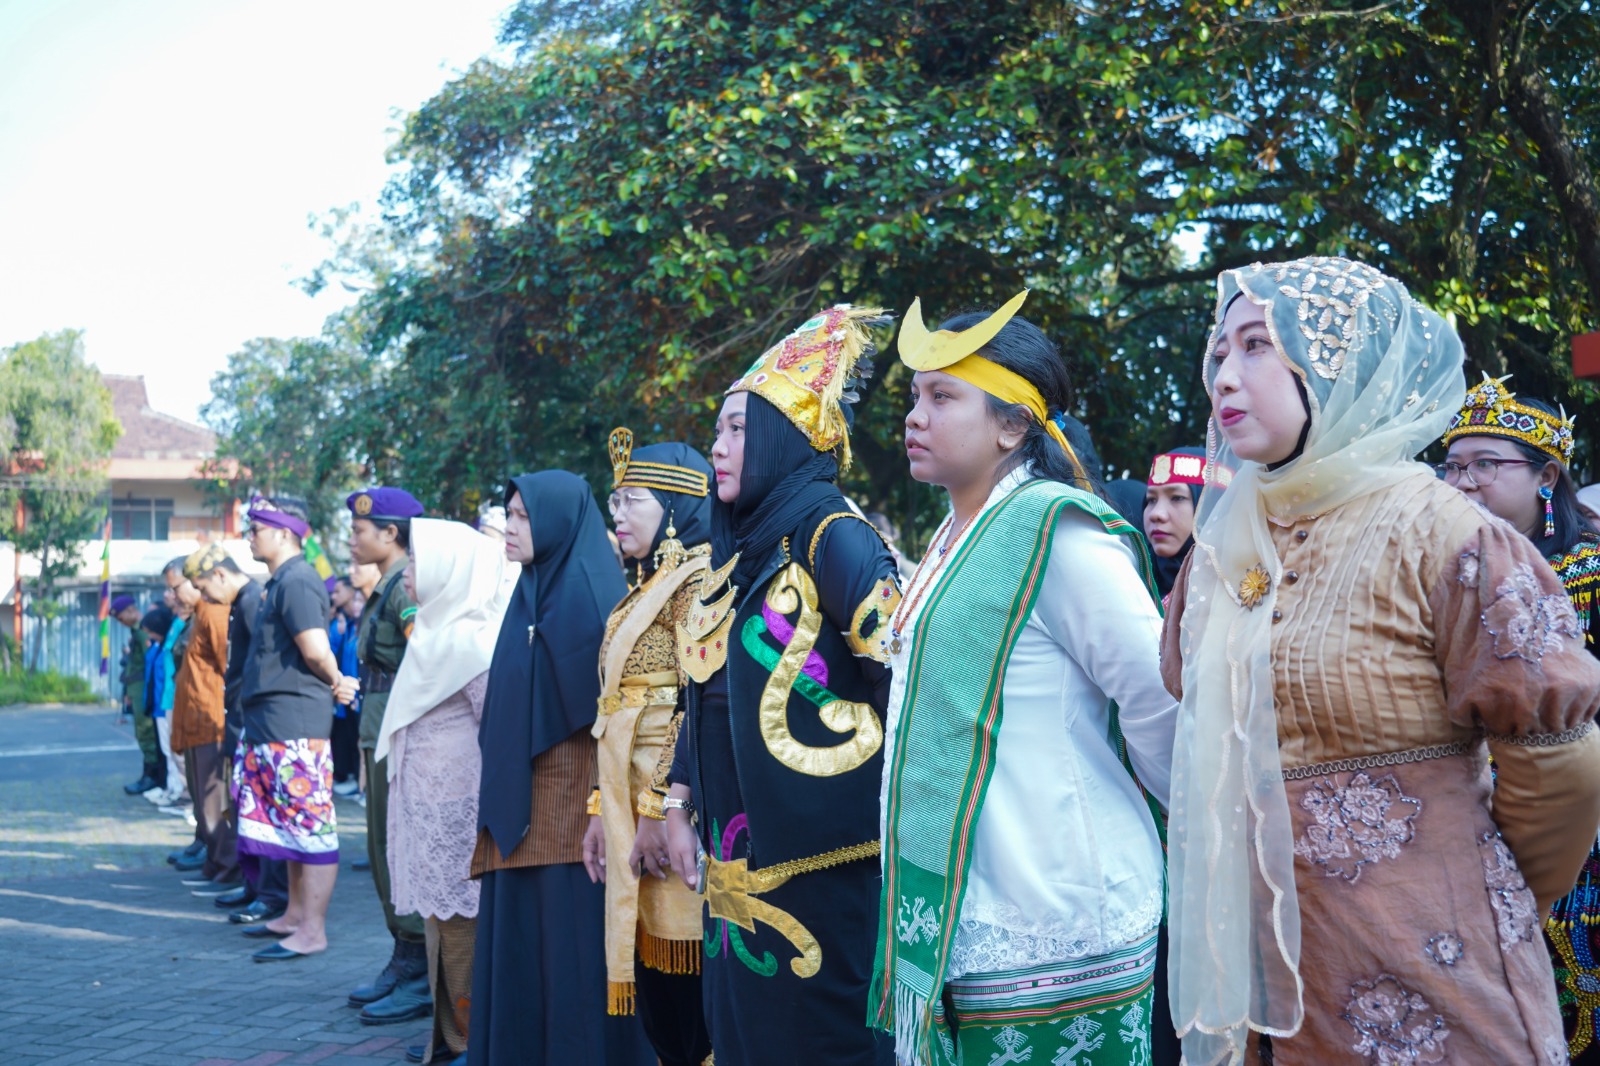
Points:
x=1492 y=410
x=627 y=473
x=810 y=373
x=1177 y=468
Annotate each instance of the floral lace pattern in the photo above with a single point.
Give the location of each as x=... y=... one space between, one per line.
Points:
x=1356 y=823
x=433 y=808
x=1514 y=908
x=997 y=936
x=1526 y=621
x=1445 y=948
x=1555 y=1052
x=1394 y=1025
x=1330 y=295
x=1470 y=567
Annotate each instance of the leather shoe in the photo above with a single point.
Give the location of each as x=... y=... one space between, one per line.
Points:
x=276 y=953
x=140 y=787
x=186 y=853
x=212 y=889
x=194 y=881
x=262 y=932
x=256 y=912
x=410 y=999
x=242 y=896
x=407 y=961
x=416 y=1052
x=189 y=866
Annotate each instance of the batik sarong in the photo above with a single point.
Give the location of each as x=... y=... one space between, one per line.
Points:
x=1087 y=1012
x=283 y=792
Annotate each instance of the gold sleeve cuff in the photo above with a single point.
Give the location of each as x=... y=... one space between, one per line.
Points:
x=650 y=805
x=593 y=806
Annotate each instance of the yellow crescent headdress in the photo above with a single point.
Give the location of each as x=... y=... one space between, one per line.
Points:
x=805 y=374
x=956 y=354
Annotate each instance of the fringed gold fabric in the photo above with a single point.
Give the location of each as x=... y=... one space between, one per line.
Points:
x=619 y=997
x=669 y=956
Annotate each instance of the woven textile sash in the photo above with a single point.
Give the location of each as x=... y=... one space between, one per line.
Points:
x=947 y=738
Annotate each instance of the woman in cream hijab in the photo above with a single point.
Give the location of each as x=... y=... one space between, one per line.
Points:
x=1348 y=638
x=429 y=745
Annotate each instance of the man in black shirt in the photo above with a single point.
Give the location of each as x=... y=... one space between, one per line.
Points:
x=285 y=792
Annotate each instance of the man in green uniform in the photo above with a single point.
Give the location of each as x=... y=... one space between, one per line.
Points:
x=144 y=727
x=380 y=531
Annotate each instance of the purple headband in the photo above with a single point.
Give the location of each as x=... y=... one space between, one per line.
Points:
x=279 y=520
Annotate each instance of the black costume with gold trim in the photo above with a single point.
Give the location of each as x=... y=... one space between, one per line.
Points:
x=782 y=746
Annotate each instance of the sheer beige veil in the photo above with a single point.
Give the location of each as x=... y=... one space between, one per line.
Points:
x=1382 y=376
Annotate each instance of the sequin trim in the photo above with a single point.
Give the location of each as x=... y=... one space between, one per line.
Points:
x=1386 y=758
x=1544 y=740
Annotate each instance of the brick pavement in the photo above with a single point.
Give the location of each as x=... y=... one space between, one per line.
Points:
x=105 y=957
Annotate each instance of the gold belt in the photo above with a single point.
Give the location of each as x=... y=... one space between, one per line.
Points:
x=731 y=891
x=640 y=693
x=732 y=888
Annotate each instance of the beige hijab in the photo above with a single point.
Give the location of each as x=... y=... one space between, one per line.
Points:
x=1382 y=378
x=460 y=601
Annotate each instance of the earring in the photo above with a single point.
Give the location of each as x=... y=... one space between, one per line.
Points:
x=1545 y=494
x=671 y=551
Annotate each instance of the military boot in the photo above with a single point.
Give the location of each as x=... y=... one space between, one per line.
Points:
x=385 y=982
x=411 y=997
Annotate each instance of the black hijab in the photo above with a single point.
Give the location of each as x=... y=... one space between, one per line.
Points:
x=783 y=479
x=1167 y=569
x=543 y=686
x=1127 y=496
x=690 y=515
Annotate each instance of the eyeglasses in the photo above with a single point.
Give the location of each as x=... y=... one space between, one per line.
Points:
x=1480 y=472
x=620 y=502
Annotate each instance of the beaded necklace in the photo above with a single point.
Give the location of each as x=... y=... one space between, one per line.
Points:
x=908 y=607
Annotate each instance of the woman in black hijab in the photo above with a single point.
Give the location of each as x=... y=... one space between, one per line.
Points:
x=782 y=747
x=537 y=976
x=661 y=508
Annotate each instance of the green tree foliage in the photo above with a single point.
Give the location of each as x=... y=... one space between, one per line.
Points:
x=291 y=414
x=607 y=222
x=57 y=430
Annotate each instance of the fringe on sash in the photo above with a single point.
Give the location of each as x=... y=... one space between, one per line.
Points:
x=669 y=956
x=908 y=1010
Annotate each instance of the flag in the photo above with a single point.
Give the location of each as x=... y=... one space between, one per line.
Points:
x=317 y=557
x=105 y=602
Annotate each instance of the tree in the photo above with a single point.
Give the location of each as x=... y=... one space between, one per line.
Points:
x=607 y=226
x=57 y=429
x=283 y=413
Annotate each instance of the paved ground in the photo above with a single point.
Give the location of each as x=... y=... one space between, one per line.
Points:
x=105 y=957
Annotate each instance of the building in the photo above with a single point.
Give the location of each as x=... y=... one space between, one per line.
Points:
x=159 y=510
x=157 y=505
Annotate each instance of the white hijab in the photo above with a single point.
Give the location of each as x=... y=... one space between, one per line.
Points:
x=460 y=600
x=1382 y=378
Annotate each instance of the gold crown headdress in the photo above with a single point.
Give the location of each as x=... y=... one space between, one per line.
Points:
x=806 y=374
x=1492 y=410
x=627 y=473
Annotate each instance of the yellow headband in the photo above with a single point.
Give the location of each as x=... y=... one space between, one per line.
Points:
x=1008 y=387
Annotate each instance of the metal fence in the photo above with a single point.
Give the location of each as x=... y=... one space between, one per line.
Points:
x=70 y=644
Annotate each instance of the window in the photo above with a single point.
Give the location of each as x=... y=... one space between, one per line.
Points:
x=135 y=519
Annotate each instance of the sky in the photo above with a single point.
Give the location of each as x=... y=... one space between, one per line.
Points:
x=161 y=162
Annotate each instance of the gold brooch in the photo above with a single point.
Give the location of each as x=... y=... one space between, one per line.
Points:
x=1255 y=586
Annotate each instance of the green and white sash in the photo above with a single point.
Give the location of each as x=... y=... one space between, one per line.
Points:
x=946 y=741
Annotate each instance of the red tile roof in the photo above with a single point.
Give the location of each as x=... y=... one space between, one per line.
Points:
x=146 y=432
